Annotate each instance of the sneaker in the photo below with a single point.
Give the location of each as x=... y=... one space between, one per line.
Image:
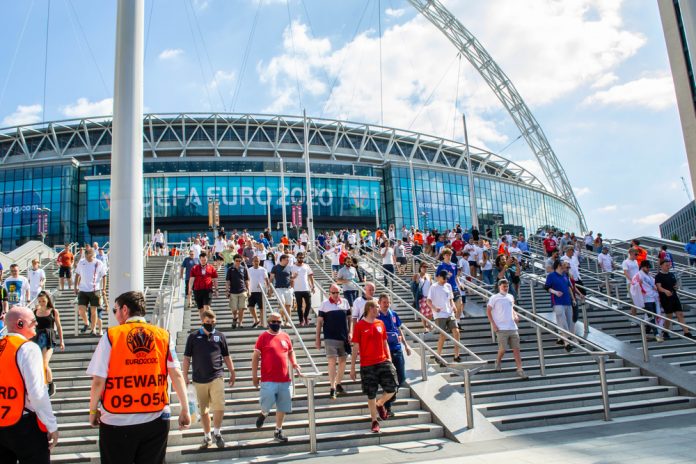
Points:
x=255 y=325
x=51 y=389
x=560 y=342
x=382 y=411
x=666 y=336
x=375 y=427
x=260 y=420
x=84 y=329
x=340 y=391
x=659 y=338
x=279 y=437
x=207 y=441
x=498 y=366
x=332 y=394
x=234 y=323
x=522 y=375
x=93 y=333
x=568 y=348
x=219 y=442
x=457 y=359
x=690 y=335
x=390 y=413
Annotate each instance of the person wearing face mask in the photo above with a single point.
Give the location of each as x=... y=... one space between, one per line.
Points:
x=28 y=427
x=332 y=321
x=207 y=349
x=274 y=349
x=503 y=319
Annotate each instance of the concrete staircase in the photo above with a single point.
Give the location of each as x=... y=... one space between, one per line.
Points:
x=568 y=393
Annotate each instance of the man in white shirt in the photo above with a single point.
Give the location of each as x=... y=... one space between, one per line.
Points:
x=503 y=319
x=22 y=367
x=158 y=240
x=605 y=260
x=197 y=248
x=303 y=283
x=90 y=285
x=630 y=267
x=258 y=282
x=359 y=304
x=441 y=302
x=17 y=288
x=218 y=248
x=37 y=278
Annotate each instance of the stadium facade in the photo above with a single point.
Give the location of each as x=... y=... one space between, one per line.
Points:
x=360 y=174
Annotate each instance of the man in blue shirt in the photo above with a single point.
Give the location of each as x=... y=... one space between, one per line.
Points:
x=264 y=240
x=185 y=271
x=452 y=271
x=396 y=341
x=562 y=298
x=691 y=249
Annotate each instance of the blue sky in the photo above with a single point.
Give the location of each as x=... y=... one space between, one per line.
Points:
x=594 y=72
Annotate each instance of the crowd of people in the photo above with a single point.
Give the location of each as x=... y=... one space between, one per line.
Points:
x=134 y=361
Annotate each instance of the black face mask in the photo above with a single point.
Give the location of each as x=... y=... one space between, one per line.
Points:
x=209 y=327
x=274 y=326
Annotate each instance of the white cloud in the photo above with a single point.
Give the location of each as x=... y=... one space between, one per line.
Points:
x=222 y=79
x=607 y=209
x=84 y=108
x=651 y=219
x=580 y=191
x=394 y=12
x=654 y=93
x=170 y=53
x=605 y=80
x=24 y=114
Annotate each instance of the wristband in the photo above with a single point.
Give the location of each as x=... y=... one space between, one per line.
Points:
x=92 y=413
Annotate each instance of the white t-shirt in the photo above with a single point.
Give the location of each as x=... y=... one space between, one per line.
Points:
x=334 y=255
x=219 y=246
x=440 y=296
x=648 y=284
x=35 y=278
x=90 y=275
x=501 y=311
x=515 y=252
x=268 y=265
x=304 y=238
x=158 y=238
x=196 y=250
x=99 y=366
x=16 y=288
x=574 y=266
x=631 y=266
x=359 y=307
x=257 y=278
x=605 y=262
x=352 y=239
x=301 y=282
x=387 y=255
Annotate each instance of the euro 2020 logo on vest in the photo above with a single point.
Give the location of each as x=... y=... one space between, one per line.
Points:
x=140 y=341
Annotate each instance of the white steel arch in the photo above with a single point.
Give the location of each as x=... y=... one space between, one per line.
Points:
x=506 y=92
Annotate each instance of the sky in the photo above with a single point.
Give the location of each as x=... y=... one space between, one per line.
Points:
x=595 y=74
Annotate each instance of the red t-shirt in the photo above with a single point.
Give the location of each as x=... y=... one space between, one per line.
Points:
x=549 y=244
x=430 y=239
x=274 y=351
x=371 y=338
x=458 y=245
x=204 y=280
x=65 y=258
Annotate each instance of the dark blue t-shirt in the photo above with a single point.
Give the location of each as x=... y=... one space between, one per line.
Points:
x=452 y=269
x=188 y=264
x=561 y=283
x=391 y=323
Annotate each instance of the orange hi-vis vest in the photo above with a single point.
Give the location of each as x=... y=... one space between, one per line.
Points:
x=12 y=390
x=137 y=377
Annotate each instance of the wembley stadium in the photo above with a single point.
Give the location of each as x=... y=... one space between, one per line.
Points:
x=360 y=174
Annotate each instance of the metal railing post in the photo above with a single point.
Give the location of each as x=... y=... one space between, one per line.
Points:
x=540 y=344
x=469 y=400
x=585 y=321
x=605 y=388
x=644 y=341
x=309 y=382
x=424 y=363
x=77 y=316
x=607 y=289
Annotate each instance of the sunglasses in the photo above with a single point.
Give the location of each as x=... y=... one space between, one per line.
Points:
x=334 y=293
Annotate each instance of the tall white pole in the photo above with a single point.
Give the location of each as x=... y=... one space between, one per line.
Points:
x=282 y=197
x=308 y=183
x=268 y=211
x=376 y=212
x=126 y=219
x=414 y=201
x=472 y=192
x=152 y=214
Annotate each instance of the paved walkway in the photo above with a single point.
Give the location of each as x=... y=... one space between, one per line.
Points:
x=658 y=439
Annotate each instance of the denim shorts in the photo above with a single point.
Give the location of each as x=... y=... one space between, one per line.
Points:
x=275 y=394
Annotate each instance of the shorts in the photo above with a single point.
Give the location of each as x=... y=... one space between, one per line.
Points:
x=159 y=245
x=275 y=394
x=335 y=267
x=671 y=304
x=255 y=300
x=473 y=264
x=238 y=301
x=376 y=375
x=65 y=272
x=401 y=260
x=285 y=296
x=335 y=348
x=202 y=297
x=211 y=395
x=88 y=299
x=456 y=295
x=446 y=323
x=507 y=338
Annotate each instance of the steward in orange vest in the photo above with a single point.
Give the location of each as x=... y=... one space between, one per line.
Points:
x=28 y=428
x=130 y=370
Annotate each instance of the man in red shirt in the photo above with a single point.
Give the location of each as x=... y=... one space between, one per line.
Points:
x=274 y=348
x=376 y=368
x=202 y=284
x=458 y=244
x=549 y=245
x=641 y=253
